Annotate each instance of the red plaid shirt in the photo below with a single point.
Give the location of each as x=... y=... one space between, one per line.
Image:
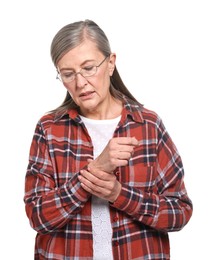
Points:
x=152 y=202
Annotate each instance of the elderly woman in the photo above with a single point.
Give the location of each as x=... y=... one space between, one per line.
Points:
x=104 y=180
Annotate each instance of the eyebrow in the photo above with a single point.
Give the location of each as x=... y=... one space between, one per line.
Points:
x=82 y=64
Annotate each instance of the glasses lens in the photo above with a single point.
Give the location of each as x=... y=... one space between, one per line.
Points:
x=89 y=71
x=67 y=77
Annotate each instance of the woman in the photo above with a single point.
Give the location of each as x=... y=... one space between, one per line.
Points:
x=104 y=180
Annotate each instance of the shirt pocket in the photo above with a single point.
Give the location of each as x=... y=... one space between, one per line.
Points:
x=142 y=176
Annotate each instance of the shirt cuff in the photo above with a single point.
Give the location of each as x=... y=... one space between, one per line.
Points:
x=73 y=193
x=128 y=200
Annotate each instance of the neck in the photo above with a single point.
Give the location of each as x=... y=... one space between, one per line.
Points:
x=111 y=110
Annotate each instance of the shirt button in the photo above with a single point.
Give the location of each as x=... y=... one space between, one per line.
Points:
x=115 y=218
x=117 y=174
x=116 y=243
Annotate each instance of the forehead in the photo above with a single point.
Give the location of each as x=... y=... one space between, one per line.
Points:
x=85 y=51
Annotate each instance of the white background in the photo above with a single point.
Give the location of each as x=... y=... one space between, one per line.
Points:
x=165 y=57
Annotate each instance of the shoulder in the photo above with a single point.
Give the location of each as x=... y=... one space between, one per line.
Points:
x=51 y=120
x=141 y=113
x=153 y=120
x=150 y=116
x=47 y=119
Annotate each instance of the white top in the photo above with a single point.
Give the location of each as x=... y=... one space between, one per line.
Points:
x=101 y=131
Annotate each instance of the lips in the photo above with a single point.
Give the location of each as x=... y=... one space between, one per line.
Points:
x=86 y=94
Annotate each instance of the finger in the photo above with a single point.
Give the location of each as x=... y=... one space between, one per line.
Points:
x=105 y=192
x=125 y=148
x=124 y=155
x=97 y=177
x=99 y=192
x=91 y=187
x=120 y=155
x=120 y=162
x=127 y=140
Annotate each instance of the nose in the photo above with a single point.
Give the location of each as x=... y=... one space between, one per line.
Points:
x=80 y=80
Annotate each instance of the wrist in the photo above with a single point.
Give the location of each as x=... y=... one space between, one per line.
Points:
x=117 y=193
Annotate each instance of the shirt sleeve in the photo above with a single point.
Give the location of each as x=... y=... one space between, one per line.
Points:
x=168 y=208
x=49 y=207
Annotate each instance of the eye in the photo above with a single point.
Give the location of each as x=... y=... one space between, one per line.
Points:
x=68 y=75
x=88 y=68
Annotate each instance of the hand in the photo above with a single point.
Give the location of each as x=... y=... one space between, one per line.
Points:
x=99 y=183
x=117 y=153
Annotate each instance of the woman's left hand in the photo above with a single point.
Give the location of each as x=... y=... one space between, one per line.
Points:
x=101 y=184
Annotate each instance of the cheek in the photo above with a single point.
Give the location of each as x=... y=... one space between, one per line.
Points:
x=101 y=85
x=105 y=79
x=68 y=88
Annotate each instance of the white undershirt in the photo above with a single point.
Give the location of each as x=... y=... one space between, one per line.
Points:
x=101 y=131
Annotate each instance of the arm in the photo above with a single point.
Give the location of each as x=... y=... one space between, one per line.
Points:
x=168 y=208
x=48 y=206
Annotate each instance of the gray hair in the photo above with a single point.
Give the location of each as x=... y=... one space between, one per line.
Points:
x=72 y=35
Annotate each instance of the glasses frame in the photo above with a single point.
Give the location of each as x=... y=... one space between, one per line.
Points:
x=80 y=72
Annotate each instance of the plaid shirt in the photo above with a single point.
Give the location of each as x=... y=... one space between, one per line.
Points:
x=152 y=202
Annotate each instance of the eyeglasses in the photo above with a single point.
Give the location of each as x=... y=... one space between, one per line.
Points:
x=87 y=71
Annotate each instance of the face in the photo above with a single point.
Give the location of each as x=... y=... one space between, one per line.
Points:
x=91 y=94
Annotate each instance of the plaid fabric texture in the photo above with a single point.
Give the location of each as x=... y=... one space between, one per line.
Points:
x=153 y=200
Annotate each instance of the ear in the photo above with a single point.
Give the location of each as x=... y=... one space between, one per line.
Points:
x=111 y=64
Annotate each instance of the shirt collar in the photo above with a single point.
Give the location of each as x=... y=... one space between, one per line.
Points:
x=131 y=108
x=72 y=113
